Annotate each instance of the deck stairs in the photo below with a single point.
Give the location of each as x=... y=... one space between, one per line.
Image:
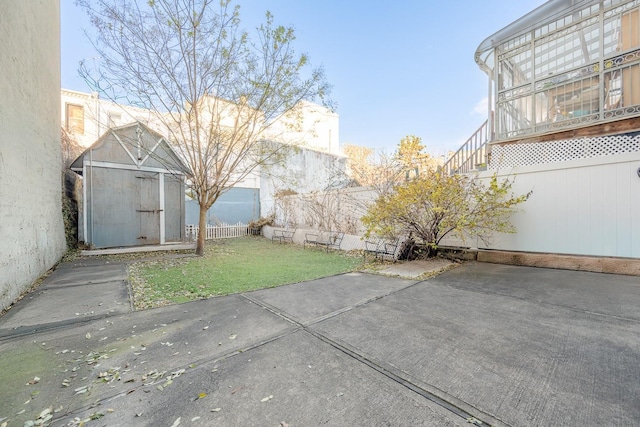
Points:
x=473 y=155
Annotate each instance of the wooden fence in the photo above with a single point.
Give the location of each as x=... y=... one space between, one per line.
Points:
x=222 y=231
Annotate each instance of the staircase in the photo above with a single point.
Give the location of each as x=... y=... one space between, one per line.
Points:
x=472 y=155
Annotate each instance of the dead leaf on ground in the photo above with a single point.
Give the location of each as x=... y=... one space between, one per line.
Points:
x=200 y=396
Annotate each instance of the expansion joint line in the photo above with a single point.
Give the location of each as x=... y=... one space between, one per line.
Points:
x=470 y=414
x=477 y=417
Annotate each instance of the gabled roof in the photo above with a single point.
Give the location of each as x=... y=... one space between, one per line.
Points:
x=545 y=14
x=176 y=162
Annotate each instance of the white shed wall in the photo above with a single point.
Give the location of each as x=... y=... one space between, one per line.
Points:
x=31 y=228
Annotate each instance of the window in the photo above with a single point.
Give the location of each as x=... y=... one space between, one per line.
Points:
x=75 y=118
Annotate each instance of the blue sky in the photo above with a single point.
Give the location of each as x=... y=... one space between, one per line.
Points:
x=397 y=68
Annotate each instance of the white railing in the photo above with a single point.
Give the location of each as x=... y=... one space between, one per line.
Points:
x=472 y=155
x=222 y=231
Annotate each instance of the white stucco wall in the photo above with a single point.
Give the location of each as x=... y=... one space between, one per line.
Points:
x=304 y=171
x=31 y=229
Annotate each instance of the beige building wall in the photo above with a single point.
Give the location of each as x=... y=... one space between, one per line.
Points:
x=309 y=125
x=31 y=228
x=87 y=117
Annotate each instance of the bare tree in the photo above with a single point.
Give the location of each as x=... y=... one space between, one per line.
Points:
x=217 y=91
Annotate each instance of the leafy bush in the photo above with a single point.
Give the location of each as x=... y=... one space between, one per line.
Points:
x=434 y=205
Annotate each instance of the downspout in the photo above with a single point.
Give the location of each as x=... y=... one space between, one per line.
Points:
x=490 y=114
x=496 y=117
x=84 y=200
x=91 y=191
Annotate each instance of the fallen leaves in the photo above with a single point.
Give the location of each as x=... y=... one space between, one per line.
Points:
x=43 y=419
x=79 y=422
x=154 y=376
x=200 y=396
x=110 y=375
x=81 y=390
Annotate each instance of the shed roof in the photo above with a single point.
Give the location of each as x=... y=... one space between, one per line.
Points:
x=175 y=161
x=545 y=14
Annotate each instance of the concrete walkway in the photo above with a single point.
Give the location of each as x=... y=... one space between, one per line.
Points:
x=500 y=345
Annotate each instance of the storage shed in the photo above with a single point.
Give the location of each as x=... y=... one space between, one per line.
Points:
x=133 y=190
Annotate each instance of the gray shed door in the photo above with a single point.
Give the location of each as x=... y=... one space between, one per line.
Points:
x=148 y=214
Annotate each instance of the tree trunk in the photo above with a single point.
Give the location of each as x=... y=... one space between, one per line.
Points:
x=202 y=231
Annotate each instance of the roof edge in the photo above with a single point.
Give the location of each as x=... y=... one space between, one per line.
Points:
x=543 y=14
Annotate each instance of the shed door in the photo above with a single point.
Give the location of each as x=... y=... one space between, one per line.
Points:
x=148 y=213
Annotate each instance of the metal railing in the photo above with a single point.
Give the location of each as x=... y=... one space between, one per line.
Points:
x=472 y=155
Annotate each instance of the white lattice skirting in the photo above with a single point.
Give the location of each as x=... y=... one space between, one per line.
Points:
x=513 y=155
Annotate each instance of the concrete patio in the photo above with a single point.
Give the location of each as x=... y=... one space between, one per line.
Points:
x=480 y=343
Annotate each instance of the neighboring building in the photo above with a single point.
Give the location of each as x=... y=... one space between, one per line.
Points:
x=133 y=190
x=564 y=97
x=87 y=117
x=32 y=238
x=311 y=127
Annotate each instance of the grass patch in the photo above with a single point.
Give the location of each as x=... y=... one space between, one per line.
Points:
x=232 y=266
